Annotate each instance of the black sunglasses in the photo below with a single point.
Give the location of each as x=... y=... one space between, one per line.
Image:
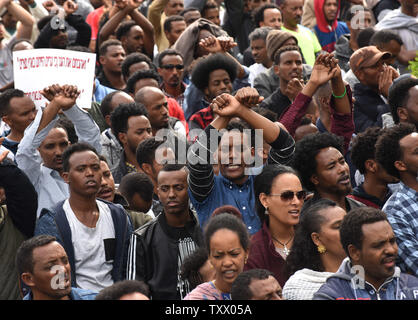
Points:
x=289 y=195
x=172 y=66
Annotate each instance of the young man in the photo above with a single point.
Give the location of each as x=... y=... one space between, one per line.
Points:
x=173 y=28
x=111 y=56
x=259 y=52
x=159 y=248
x=17 y=111
x=307 y=40
x=403 y=97
x=171 y=69
x=374 y=191
x=40 y=261
x=40 y=151
x=396 y=151
x=369 y=272
x=328 y=29
x=256 y=284
x=210 y=12
x=190 y=14
x=94 y=233
x=232 y=185
x=130 y=126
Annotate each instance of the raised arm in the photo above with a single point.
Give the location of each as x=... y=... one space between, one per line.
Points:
x=25 y=18
x=146 y=26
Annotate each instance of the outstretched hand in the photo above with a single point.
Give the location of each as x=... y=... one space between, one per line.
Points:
x=214 y=44
x=248 y=97
x=64 y=96
x=325 y=68
x=293 y=88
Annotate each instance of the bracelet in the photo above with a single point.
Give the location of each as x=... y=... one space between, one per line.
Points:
x=341 y=96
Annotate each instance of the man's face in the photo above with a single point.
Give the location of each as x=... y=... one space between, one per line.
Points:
x=162 y=156
x=254 y=4
x=21 y=113
x=213 y=15
x=272 y=18
x=394 y=48
x=191 y=16
x=266 y=289
x=171 y=70
x=378 y=253
x=52 y=148
x=139 y=129
x=369 y=76
x=84 y=175
x=259 y=51
x=59 y=41
x=174 y=7
x=330 y=9
x=292 y=12
x=409 y=112
x=107 y=186
x=232 y=153
x=137 y=67
x=137 y=203
x=332 y=172
x=219 y=82
x=172 y=191
x=156 y=104
x=409 y=147
x=133 y=41
x=48 y=261
x=112 y=60
x=9 y=21
x=290 y=66
x=177 y=28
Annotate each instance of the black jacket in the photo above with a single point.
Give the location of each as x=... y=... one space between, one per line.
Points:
x=154 y=253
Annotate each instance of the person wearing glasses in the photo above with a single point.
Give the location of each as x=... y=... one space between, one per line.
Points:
x=171 y=70
x=279 y=198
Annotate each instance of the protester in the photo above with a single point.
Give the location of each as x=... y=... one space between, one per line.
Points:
x=256 y=284
x=173 y=28
x=41 y=259
x=317 y=252
x=227 y=242
x=369 y=272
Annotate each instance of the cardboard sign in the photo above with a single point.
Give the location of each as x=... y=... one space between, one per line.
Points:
x=37 y=69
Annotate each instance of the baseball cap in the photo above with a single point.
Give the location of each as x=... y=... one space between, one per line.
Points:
x=366 y=57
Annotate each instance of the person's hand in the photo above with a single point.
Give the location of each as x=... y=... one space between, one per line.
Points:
x=4 y=154
x=385 y=80
x=332 y=63
x=67 y=97
x=134 y=4
x=227 y=43
x=70 y=7
x=49 y=5
x=293 y=88
x=50 y=92
x=226 y=105
x=322 y=72
x=248 y=97
x=211 y=44
x=121 y=4
x=395 y=73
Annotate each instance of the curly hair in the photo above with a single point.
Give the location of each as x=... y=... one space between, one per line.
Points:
x=306 y=150
x=363 y=147
x=202 y=70
x=138 y=75
x=263 y=183
x=399 y=95
x=6 y=97
x=124 y=28
x=258 y=13
x=121 y=288
x=279 y=52
x=189 y=270
x=230 y=222
x=351 y=227
x=240 y=289
x=135 y=57
x=119 y=117
x=388 y=150
x=304 y=253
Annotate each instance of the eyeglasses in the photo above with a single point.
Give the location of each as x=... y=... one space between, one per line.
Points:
x=172 y=66
x=289 y=195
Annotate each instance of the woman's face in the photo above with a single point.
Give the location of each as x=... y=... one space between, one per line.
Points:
x=227 y=256
x=329 y=234
x=282 y=210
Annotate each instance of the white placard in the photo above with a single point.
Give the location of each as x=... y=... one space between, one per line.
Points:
x=37 y=69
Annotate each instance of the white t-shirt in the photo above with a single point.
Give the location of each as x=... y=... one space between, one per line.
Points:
x=255 y=70
x=94 y=248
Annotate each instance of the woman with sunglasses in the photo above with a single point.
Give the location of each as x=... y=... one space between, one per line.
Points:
x=317 y=252
x=279 y=199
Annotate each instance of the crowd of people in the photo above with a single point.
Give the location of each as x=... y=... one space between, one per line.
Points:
x=233 y=150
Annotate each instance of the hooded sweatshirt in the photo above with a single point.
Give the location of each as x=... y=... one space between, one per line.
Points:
x=347 y=285
x=328 y=34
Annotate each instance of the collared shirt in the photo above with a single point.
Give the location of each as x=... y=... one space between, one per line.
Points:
x=402 y=213
x=50 y=187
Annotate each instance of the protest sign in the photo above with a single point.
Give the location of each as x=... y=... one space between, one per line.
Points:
x=37 y=69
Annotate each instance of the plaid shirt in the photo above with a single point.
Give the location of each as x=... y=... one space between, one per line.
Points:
x=402 y=212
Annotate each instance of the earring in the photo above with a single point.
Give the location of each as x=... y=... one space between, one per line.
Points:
x=266 y=212
x=321 y=249
x=246 y=259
